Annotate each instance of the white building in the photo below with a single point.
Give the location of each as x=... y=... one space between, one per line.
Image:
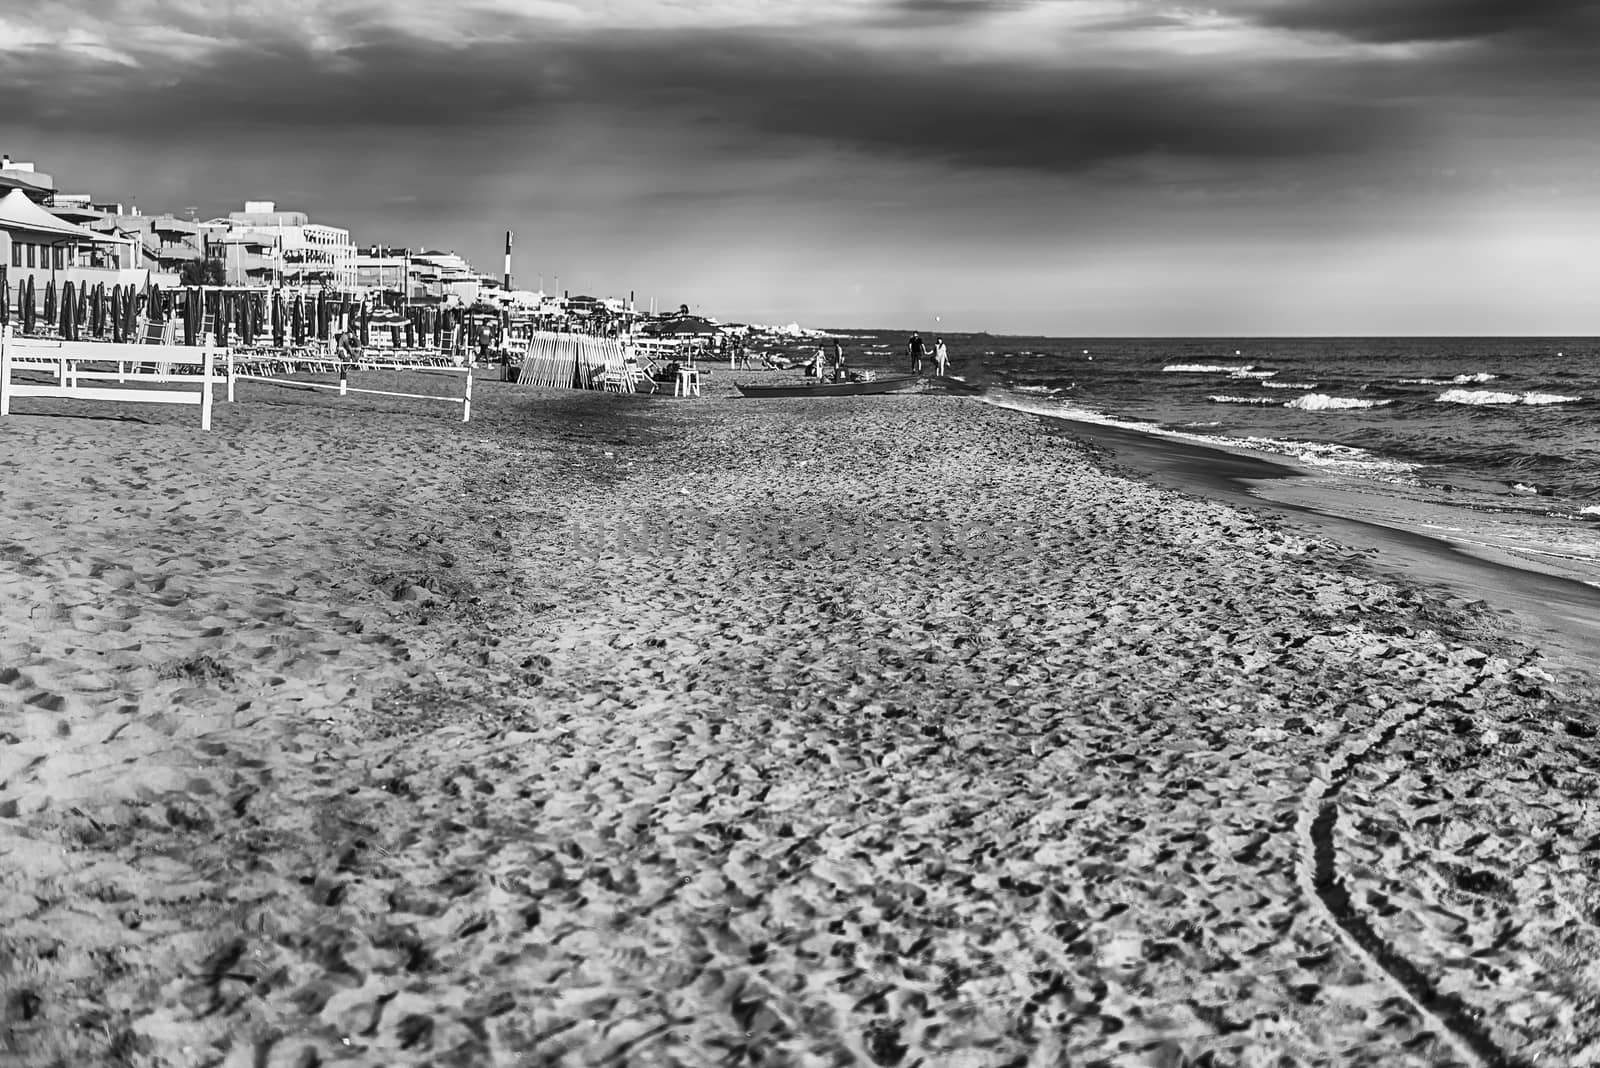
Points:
x=261 y=245
x=424 y=275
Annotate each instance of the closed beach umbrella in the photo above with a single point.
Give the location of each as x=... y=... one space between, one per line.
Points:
x=118 y=326
x=366 y=324
x=297 y=321
x=191 y=315
x=30 y=307
x=322 y=314
x=80 y=315
x=50 y=301
x=68 y=306
x=277 y=318
x=5 y=297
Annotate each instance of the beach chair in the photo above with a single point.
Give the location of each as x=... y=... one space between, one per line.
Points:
x=638 y=380
x=159 y=332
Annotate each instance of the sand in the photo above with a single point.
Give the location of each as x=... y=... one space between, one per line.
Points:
x=614 y=730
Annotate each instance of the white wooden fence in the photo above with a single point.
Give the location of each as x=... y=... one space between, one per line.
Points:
x=76 y=362
x=234 y=375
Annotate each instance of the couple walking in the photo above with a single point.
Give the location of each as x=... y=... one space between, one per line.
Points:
x=941 y=356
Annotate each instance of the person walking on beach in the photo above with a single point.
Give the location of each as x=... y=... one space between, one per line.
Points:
x=941 y=358
x=914 y=347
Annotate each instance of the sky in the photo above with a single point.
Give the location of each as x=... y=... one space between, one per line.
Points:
x=1083 y=168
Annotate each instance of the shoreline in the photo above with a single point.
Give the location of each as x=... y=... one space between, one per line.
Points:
x=1558 y=612
x=352 y=733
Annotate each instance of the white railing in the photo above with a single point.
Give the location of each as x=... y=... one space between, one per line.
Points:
x=75 y=362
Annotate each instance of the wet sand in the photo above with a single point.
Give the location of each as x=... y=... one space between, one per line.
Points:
x=1560 y=615
x=884 y=730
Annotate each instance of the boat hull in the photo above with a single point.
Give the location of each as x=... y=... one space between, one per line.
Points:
x=832 y=389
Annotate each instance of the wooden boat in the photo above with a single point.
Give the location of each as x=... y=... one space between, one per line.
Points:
x=832 y=389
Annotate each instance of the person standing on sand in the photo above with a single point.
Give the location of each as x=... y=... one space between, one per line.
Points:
x=838 y=360
x=914 y=347
x=941 y=358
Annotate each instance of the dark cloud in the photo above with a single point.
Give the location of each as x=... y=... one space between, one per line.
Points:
x=741 y=91
x=1566 y=22
x=944 y=11
x=992 y=114
x=397 y=82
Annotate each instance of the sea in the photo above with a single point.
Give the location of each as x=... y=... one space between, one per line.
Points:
x=1491 y=444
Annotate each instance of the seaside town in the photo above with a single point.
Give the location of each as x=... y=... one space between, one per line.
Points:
x=273 y=282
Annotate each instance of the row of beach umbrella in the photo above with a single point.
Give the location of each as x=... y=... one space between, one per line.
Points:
x=247 y=317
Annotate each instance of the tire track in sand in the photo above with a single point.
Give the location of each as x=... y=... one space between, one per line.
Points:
x=1456 y=1022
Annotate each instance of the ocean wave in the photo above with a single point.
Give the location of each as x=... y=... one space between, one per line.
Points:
x=1204 y=368
x=1046 y=390
x=1290 y=385
x=1248 y=372
x=1489 y=396
x=1459 y=380
x=1346 y=458
x=1593 y=509
x=1321 y=402
x=1221 y=398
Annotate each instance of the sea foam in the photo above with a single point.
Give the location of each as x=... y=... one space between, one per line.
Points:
x=1204 y=368
x=1489 y=396
x=1290 y=385
x=1220 y=398
x=1321 y=402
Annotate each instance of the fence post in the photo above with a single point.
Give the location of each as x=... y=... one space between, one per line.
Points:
x=344 y=382
x=230 y=376
x=205 y=389
x=5 y=369
x=466 y=401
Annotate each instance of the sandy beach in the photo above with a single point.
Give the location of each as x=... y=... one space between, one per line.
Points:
x=625 y=730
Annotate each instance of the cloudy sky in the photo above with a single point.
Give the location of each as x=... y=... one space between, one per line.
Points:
x=1077 y=167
